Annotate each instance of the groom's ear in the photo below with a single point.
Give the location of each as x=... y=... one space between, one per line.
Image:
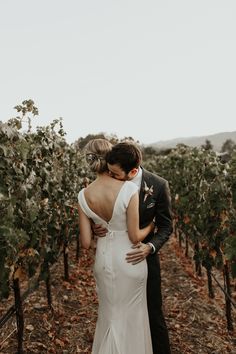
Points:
x=133 y=172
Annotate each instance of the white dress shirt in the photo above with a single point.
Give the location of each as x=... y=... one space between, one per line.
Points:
x=138 y=180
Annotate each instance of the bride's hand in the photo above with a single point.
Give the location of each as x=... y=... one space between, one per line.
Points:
x=152 y=226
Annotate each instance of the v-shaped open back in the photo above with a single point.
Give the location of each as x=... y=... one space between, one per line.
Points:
x=118 y=218
x=114 y=205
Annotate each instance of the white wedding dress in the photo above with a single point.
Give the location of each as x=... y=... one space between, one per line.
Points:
x=123 y=325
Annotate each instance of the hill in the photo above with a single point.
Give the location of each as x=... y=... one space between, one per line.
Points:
x=217 y=140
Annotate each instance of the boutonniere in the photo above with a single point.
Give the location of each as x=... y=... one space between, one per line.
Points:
x=147 y=191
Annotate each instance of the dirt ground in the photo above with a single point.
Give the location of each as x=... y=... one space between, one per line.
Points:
x=196 y=323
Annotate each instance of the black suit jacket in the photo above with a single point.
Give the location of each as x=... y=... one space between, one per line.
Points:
x=156 y=205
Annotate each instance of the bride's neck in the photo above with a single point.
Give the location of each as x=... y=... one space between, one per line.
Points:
x=102 y=175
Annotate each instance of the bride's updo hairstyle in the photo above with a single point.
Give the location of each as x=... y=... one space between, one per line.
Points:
x=96 y=150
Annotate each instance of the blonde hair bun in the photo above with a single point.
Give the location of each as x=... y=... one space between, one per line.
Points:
x=96 y=150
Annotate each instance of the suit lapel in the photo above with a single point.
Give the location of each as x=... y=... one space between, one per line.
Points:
x=141 y=193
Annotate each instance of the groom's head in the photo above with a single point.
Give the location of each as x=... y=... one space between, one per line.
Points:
x=124 y=160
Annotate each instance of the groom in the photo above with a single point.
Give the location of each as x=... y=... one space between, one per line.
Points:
x=124 y=163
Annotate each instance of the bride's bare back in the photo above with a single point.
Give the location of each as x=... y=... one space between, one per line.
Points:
x=101 y=195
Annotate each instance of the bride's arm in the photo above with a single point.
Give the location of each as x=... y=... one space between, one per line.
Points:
x=85 y=229
x=135 y=233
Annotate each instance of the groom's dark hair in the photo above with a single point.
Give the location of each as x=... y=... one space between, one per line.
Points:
x=126 y=154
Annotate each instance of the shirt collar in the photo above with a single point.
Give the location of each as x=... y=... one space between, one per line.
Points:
x=138 y=178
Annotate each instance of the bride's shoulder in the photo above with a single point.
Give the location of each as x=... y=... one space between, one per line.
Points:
x=81 y=192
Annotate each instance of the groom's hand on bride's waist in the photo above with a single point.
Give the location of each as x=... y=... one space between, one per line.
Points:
x=139 y=253
x=99 y=230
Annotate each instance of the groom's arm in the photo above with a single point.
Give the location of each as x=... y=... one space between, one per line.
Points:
x=98 y=230
x=163 y=230
x=163 y=218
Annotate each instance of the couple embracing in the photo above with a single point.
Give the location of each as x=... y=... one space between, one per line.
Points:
x=129 y=209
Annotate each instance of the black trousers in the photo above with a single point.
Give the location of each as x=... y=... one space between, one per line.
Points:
x=159 y=331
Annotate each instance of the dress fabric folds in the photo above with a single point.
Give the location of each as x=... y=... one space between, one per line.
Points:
x=123 y=325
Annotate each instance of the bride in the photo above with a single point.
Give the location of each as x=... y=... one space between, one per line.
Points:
x=122 y=326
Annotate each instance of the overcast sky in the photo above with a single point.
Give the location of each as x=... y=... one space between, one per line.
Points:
x=150 y=69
